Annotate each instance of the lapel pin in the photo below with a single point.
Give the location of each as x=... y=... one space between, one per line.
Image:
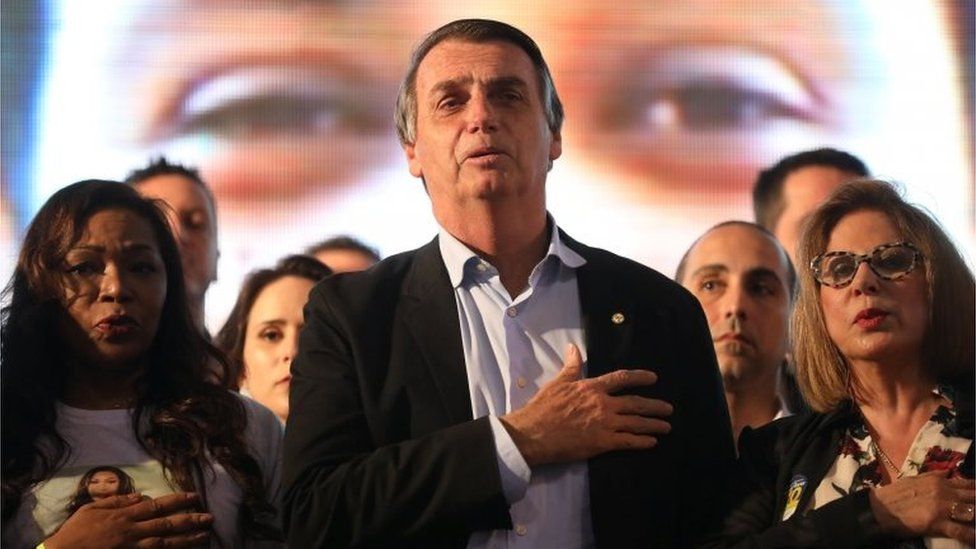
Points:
x=797 y=484
x=617 y=318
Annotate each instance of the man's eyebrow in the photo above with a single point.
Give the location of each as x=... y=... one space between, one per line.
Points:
x=501 y=82
x=765 y=272
x=451 y=84
x=710 y=268
x=507 y=82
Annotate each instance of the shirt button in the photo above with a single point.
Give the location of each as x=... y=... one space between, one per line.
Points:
x=521 y=529
x=512 y=311
x=521 y=382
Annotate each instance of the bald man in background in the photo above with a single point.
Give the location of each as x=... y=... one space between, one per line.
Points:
x=745 y=283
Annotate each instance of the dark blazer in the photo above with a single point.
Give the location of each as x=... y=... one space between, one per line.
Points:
x=807 y=445
x=381 y=448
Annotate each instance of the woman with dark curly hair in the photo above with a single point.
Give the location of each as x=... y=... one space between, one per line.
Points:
x=101 y=363
x=260 y=336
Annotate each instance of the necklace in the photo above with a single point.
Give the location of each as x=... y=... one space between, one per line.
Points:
x=885 y=459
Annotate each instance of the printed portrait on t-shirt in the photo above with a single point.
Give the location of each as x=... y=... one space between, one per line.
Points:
x=73 y=487
x=99 y=483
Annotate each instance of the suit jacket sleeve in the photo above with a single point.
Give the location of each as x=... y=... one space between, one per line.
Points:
x=705 y=425
x=347 y=481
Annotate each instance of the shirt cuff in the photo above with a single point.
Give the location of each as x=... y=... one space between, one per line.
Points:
x=515 y=472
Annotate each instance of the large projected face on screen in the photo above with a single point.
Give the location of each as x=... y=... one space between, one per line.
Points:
x=671 y=109
x=676 y=106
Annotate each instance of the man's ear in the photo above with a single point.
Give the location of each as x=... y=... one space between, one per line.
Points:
x=555 y=147
x=413 y=162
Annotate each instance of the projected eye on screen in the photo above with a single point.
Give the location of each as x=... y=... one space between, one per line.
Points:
x=671 y=110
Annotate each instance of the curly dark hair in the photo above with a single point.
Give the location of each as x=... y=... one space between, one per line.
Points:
x=182 y=416
x=82 y=496
x=230 y=338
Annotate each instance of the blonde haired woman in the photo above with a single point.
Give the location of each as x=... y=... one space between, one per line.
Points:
x=884 y=344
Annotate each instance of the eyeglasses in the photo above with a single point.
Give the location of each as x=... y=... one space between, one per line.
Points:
x=888 y=261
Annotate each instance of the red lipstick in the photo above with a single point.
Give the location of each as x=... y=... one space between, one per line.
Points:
x=870 y=318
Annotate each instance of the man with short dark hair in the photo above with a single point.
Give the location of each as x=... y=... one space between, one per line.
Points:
x=505 y=385
x=192 y=215
x=746 y=285
x=344 y=254
x=789 y=190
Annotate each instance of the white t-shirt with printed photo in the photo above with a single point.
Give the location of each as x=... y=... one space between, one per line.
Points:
x=105 y=439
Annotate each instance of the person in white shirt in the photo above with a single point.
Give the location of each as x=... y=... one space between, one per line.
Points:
x=103 y=366
x=504 y=385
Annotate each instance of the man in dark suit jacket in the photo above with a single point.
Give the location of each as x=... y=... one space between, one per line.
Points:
x=383 y=447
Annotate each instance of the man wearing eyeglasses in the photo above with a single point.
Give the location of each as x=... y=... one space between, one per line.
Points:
x=746 y=284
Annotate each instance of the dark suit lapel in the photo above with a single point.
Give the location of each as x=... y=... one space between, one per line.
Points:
x=608 y=315
x=610 y=321
x=430 y=313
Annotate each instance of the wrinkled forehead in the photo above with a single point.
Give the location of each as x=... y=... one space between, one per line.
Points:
x=466 y=61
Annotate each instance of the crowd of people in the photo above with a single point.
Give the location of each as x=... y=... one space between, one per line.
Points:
x=806 y=379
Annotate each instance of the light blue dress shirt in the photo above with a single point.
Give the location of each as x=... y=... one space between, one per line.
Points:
x=512 y=347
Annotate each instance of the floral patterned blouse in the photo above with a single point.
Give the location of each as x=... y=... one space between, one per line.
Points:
x=937 y=447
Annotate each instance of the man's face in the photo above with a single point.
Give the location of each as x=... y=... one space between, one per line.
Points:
x=803 y=191
x=740 y=277
x=194 y=225
x=481 y=127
